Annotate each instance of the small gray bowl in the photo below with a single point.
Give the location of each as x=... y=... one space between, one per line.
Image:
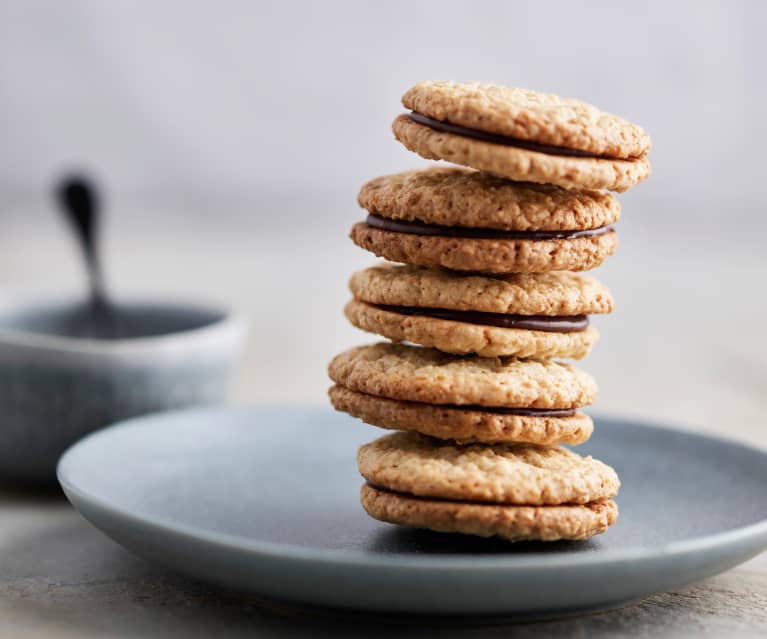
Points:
x=56 y=387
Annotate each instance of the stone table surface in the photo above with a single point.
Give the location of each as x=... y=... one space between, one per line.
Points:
x=59 y=577
x=670 y=353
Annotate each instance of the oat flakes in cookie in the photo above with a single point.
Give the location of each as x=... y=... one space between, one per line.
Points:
x=468 y=399
x=514 y=491
x=524 y=315
x=523 y=135
x=511 y=523
x=471 y=221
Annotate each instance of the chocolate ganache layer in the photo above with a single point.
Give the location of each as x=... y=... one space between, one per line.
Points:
x=522 y=412
x=422 y=228
x=495 y=138
x=547 y=323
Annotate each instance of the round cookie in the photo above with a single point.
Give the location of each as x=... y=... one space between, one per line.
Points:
x=528 y=115
x=460 y=314
x=520 y=164
x=462 y=338
x=451 y=196
x=487 y=255
x=512 y=523
x=414 y=373
x=463 y=425
x=559 y=293
x=519 y=474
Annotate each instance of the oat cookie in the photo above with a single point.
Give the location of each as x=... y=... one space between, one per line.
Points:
x=524 y=315
x=520 y=164
x=469 y=337
x=522 y=474
x=529 y=115
x=487 y=255
x=558 y=293
x=413 y=373
x=512 y=523
x=465 y=425
x=454 y=196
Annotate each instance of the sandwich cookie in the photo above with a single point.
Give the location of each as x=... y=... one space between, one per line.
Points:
x=467 y=399
x=523 y=315
x=523 y=135
x=513 y=491
x=472 y=221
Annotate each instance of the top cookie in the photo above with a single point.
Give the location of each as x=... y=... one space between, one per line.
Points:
x=452 y=196
x=531 y=116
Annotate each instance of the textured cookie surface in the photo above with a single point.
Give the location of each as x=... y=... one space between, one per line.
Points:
x=487 y=255
x=453 y=196
x=521 y=474
x=418 y=374
x=520 y=164
x=529 y=115
x=462 y=338
x=512 y=523
x=462 y=425
x=559 y=293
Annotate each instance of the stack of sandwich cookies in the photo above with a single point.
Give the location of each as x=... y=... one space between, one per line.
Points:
x=486 y=300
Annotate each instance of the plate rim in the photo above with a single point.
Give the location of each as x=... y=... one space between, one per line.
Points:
x=416 y=562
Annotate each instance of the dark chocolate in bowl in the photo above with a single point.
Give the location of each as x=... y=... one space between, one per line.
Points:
x=71 y=320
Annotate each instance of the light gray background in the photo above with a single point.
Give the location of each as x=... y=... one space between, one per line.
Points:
x=246 y=98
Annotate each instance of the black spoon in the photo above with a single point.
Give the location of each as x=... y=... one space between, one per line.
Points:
x=79 y=202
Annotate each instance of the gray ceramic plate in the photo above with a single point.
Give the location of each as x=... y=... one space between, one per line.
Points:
x=266 y=499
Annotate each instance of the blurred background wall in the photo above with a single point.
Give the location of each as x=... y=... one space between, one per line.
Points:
x=242 y=97
x=232 y=137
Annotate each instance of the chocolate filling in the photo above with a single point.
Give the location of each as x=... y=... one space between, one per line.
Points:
x=391 y=491
x=421 y=228
x=548 y=323
x=522 y=412
x=495 y=138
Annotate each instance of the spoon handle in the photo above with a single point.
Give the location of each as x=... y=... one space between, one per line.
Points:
x=79 y=202
x=81 y=207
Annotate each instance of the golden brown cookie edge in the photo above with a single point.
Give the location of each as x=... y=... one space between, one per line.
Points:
x=484 y=255
x=512 y=523
x=500 y=473
x=457 y=196
x=509 y=111
x=554 y=293
x=521 y=164
x=419 y=374
x=461 y=338
x=461 y=425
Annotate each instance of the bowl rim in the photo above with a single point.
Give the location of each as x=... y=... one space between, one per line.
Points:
x=228 y=322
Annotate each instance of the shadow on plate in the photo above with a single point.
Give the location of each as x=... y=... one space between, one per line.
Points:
x=392 y=539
